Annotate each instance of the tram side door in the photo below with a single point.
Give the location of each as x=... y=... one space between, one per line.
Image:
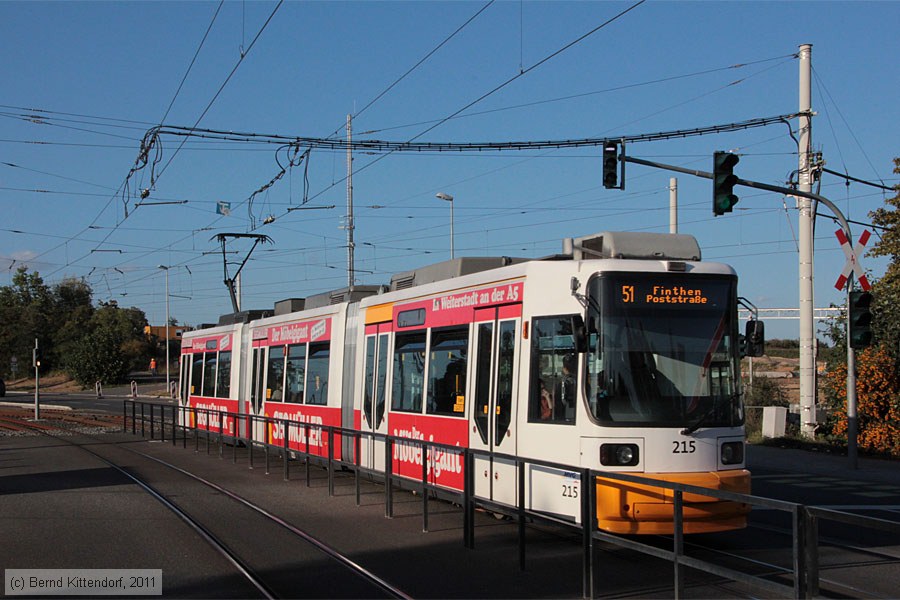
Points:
x=494 y=410
x=184 y=375
x=374 y=407
x=257 y=392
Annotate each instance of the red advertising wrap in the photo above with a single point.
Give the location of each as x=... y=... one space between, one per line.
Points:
x=306 y=425
x=210 y=414
x=317 y=330
x=216 y=343
x=459 y=308
x=445 y=467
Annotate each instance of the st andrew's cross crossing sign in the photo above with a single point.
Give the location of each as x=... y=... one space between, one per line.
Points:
x=853 y=264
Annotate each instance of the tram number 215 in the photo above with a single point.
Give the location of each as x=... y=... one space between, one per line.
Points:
x=570 y=490
x=684 y=446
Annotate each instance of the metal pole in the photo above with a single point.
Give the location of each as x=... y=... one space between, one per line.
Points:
x=357 y=442
x=168 y=385
x=673 y=205
x=330 y=432
x=678 y=542
x=807 y=334
x=285 y=433
x=37 y=383
x=468 y=502
x=852 y=417
x=520 y=510
x=388 y=478
x=588 y=518
x=306 y=427
x=448 y=198
x=351 y=272
x=452 y=252
x=424 y=487
x=250 y=437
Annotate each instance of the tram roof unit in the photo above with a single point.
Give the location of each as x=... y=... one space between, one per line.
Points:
x=604 y=245
x=633 y=245
x=339 y=296
x=244 y=316
x=450 y=269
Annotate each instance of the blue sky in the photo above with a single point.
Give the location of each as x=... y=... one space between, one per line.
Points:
x=83 y=82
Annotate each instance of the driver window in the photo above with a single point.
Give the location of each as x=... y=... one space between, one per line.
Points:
x=554 y=369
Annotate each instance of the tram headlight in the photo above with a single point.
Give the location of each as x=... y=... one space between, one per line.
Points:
x=732 y=453
x=619 y=455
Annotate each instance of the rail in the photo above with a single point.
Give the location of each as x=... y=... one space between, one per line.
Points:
x=226 y=427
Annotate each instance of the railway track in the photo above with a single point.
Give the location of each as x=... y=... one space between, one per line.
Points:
x=763 y=550
x=19 y=421
x=252 y=543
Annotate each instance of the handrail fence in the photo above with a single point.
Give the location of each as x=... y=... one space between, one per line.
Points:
x=805 y=519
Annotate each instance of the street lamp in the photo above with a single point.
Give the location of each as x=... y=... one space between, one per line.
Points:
x=448 y=198
x=168 y=388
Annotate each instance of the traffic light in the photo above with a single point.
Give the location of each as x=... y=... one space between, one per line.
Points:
x=723 y=182
x=860 y=320
x=755 y=338
x=36 y=357
x=611 y=165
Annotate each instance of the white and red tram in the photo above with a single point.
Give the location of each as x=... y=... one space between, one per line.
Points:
x=622 y=355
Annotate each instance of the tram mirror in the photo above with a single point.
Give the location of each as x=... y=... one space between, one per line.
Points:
x=579 y=334
x=755 y=338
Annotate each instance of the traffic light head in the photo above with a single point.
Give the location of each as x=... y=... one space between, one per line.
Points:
x=755 y=338
x=611 y=165
x=724 y=180
x=859 y=320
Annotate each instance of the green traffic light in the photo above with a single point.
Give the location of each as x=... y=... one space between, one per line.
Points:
x=860 y=320
x=611 y=165
x=724 y=181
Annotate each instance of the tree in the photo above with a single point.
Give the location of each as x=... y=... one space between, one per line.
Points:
x=878 y=405
x=113 y=346
x=26 y=309
x=72 y=314
x=886 y=291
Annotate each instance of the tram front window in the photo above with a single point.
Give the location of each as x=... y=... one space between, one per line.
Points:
x=663 y=351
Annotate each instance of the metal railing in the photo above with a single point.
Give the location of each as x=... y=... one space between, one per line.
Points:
x=804 y=570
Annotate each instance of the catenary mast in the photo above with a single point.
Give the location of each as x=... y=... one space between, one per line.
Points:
x=807 y=337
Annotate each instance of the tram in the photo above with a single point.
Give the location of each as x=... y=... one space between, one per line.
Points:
x=621 y=354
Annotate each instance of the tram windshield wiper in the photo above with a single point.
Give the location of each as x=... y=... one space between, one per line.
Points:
x=705 y=418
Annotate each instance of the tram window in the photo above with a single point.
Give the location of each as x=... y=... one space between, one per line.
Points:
x=484 y=342
x=380 y=383
x=275 y=374
x=197 y=375
x=409 y=372
x=554 y=365
x=223 y=375
x=185 y=375
x=256 y=381
x=209 y=375
x=295 y=367
x=505 y=364
x=447 y=372
x=317 y=374
x=370 y=378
